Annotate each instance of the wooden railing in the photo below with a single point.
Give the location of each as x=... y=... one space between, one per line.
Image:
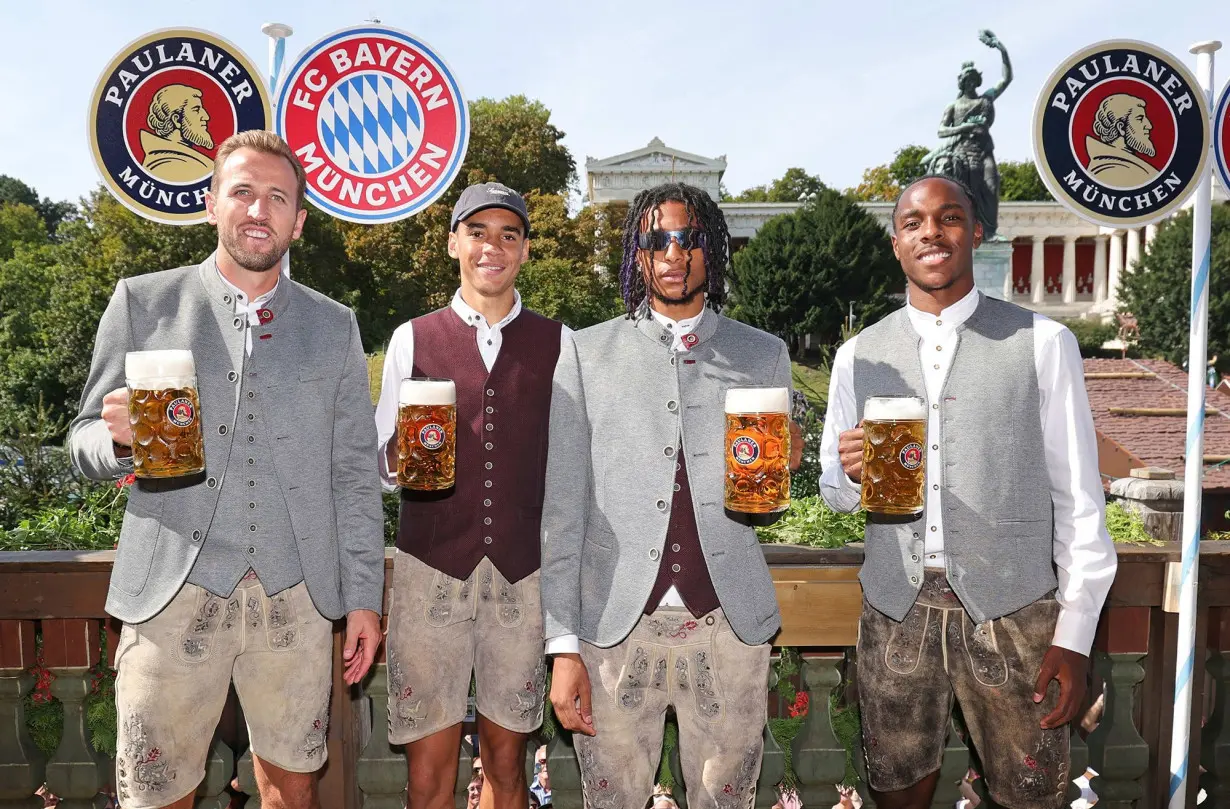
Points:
x=60 y=596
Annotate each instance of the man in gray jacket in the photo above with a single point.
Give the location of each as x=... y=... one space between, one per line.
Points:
x=994 y=590
x=652 y=596
x=237 y=573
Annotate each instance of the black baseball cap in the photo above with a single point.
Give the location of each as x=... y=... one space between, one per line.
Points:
x=489 y=195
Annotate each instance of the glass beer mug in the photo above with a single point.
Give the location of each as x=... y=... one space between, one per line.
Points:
x=758 y=450
x=427 y=434
x=894 y=442
x=165 y=414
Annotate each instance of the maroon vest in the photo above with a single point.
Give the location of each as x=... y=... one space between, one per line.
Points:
x=495 y=509
x=683 y=561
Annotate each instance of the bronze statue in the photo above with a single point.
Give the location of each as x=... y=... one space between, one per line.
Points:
x=966 y=151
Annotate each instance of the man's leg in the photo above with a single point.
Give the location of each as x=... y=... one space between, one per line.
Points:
x=905 y=697
x=430 y=654
x=510 y=677
x=174 y=674
x=719 y=687
x=628 y=682
x=283 y=677
x=994 y=669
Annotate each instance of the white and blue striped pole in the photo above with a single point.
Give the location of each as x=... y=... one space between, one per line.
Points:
x=277 y=33
x=1193 y=469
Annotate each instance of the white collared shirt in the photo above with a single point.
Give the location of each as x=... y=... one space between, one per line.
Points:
x=250 y=310
x=399 y=365
x=571 y=644
x=1084 y=554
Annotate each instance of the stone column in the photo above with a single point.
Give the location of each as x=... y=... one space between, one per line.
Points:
x=1150 y=232
x=1133 y=249
x=1069 y=269
x=1037 y=271
x=1099 y=269
x=1156 y=496
x=1115 y=269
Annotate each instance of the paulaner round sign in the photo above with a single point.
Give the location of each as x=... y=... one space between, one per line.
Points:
x=1121 y=133
x=378 y=122
x=159 y=112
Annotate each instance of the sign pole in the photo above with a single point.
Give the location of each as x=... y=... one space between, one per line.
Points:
x=1193 y=473
x=277 y=33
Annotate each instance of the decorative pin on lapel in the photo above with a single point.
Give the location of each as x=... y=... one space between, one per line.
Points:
x=264 y=315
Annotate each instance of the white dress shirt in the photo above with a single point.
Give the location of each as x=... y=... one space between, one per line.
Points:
x=250 y=310
x=1084 y=554
x=571 y=644
x=399 y=365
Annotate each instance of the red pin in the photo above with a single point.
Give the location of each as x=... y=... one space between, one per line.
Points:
x=690 y=339
x=264 y=315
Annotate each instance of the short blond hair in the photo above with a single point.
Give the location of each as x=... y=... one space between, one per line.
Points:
x=265 y=142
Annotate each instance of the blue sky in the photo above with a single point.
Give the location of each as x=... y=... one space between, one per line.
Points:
x=833 y=87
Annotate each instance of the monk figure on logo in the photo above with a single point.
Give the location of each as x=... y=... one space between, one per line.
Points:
x=1122 y=128
x=180 y=125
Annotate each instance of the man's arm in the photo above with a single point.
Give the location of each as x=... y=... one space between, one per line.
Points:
x=836 y=487
x=90 y=444
x=398 y=364
x=1085 y=557
x=356 y=485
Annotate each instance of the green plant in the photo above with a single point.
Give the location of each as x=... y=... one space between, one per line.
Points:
x=87 y=519
x=809 y=521
x=1091 y=334
x=1127 y=526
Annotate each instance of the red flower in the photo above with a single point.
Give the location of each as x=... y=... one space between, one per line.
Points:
x=728 y=789
x=1031 y=762
x=127 y=480
x=801 y=701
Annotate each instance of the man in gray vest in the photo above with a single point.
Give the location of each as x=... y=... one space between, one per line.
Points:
x=652 y=596
x=995 y=589
x=465 y=576
x=236 y=574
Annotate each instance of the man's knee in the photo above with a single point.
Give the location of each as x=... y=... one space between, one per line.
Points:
x=282 y=788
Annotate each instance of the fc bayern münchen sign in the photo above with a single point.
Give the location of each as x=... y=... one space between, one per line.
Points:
x=1121 y=133
x=378 y=121
x=1221 y=137
x=159 y=112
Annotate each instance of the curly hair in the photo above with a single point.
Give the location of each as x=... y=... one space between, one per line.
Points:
x=702 y=210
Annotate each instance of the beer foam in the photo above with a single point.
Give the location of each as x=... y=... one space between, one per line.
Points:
x=758 y=400
x=895 y=408
x=427 y=392
x=162 y=366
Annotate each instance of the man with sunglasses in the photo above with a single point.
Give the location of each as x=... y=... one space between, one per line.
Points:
x=652 y=595
x=465 y=574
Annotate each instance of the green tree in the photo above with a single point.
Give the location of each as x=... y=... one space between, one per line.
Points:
x=1158 y=290
x=20 y=224
x=802 y=271
x=884 y=183
x=15 y=191
x=1019 y=181
x=795 y=185
x=513 y=141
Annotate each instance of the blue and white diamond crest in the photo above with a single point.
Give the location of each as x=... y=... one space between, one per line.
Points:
x=370 y=123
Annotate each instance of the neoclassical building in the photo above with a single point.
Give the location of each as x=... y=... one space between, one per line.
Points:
x=1062 y=265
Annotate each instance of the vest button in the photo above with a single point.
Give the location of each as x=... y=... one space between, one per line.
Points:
x=252 y=529
x=675 y=547
x=251 y=395
x=486 y=540
x=221 y=429
x=653 y=554
x=490 y=426
x=490 y=392
x=251 y=550
x=487 y=483
x=212 y=483
x=251 y=484
x=489 y=446
x=487 y=503
x=490 y=409
x=914 y=579
x=251 y=505
x=935 y=407
x=251 y=461
x=251 y=417
x=489 y=464
x=486 y=521
x=251 y=439
x=196 y=536
x=232 y=376
x=675 y=568
x=935 y=446
x=675 y=487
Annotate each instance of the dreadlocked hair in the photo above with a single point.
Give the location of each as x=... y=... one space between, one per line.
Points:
x=703 y=211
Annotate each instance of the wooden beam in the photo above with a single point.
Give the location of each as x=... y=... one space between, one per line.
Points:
x=1121 y=375
x=1154 y=411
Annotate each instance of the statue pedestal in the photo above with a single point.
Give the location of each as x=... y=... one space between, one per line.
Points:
x=993 y=268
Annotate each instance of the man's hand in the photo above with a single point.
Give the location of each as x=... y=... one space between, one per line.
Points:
x=1071 y=669
x=115 y=414
x=796 y=445
x=570 y=694
x=850 y=450
x=362 y=640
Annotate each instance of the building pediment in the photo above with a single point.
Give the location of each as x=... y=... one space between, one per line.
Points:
x=656 y=156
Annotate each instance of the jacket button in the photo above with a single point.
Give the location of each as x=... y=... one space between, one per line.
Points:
x=252 y=529
x=212 y=483
x=251 y=417
x=221 y=429
x=238 y=323
x=251 y=395
x=196 y=536
x=251 y=439
x=672 y=405
x=251 y=550
x=672 y=360
x=486 y=540
x=490 y=392
x=226 y=298
x=669 y=452
x=653 y=554
x=914 y=557
x=232 y=376
x=661 y=505
x=666 y=338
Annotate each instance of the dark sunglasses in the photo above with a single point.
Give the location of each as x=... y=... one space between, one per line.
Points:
x=688 y=239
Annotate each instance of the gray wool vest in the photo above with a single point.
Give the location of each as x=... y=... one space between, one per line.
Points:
x=251 y=527
x=994 y=488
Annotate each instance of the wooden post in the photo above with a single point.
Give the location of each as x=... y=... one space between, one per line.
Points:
x=76 y=773
x=22 y=765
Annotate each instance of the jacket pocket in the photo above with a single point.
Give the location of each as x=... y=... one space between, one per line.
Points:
x=139 y=538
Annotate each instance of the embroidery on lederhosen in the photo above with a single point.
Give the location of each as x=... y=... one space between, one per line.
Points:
x=708 y=701
x=528 y=700
x=738 y=794
x=597 y=790
x=448 y=595
x=676 y=628
x=314 y=739
x=141 y=766
x=403 y=708
x=197 y=640
x=280 y=622
x=630 y=693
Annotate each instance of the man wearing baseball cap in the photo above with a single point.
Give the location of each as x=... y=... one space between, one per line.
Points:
x=465 y=574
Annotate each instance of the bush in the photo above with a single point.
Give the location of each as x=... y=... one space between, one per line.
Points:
x=1091 y=334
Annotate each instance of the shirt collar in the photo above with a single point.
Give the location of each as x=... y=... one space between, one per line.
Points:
x=241 y=296
x=949 y=318
x=688 y=324
x=472 y=317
